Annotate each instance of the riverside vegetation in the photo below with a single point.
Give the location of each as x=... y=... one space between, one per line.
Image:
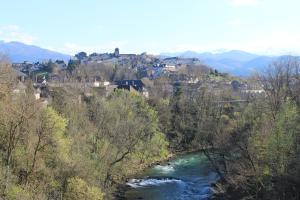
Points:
x=81 y=149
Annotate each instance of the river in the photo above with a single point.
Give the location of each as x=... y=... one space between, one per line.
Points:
x=184 y=177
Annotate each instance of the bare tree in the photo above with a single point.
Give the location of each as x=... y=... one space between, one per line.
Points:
x=281 y=81
x=7 y=76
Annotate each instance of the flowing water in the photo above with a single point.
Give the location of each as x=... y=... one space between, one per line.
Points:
x=185 y=177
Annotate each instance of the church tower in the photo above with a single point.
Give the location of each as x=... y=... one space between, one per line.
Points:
x=116 y=53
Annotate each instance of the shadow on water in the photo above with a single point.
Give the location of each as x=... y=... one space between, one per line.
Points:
x=185 y=177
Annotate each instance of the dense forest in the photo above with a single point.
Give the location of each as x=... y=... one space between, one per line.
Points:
x=81 y=149
x=254 y=146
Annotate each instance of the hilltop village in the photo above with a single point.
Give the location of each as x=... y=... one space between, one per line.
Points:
x=142 y=73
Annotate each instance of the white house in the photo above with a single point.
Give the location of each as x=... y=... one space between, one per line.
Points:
x=96 y=84
x=106 y=83
x=253 y=91
x=37 y=94
x=170 y=68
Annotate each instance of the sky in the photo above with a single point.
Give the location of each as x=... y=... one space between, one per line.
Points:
x=153 y=26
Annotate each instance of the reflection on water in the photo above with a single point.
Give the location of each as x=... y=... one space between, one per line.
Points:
x=186 y=177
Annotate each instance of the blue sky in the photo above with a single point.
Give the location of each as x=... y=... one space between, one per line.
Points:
x=154 y=26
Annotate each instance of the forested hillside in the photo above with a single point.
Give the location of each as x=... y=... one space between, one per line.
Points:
x=73 y=150
x=82 y=147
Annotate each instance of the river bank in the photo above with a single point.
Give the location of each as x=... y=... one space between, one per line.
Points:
x=121 y=186
x=189 y=174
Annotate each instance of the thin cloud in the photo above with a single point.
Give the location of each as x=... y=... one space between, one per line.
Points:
x=10 y=33
x=11 y=27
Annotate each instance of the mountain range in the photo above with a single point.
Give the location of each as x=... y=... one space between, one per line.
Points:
x=236 y=62
x=20 y=52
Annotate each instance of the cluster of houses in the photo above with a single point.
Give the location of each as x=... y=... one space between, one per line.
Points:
x=40 y=90
x=149 y=66
x=30 y=67
x=114 y=57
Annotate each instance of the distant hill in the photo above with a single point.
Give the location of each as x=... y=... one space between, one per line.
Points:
x=19 y=52
x=236 y=62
